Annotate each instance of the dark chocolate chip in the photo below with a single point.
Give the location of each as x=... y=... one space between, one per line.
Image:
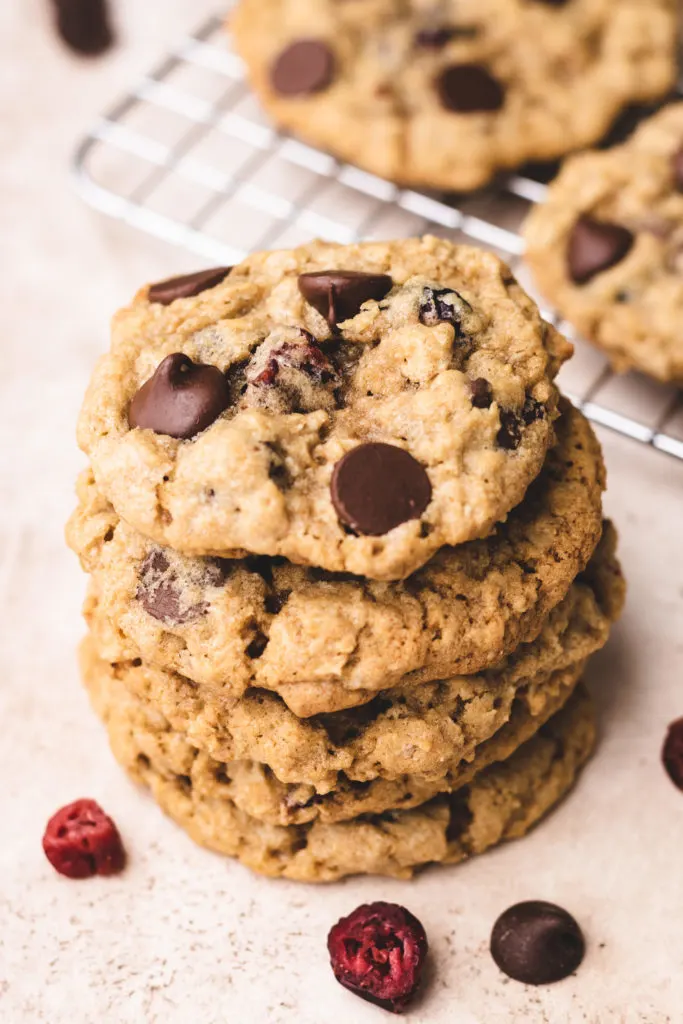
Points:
x=181 y=399
x=159 y=592
x=435 y=38
x=84 y=25
x=537 y=943
x=307 y=66
x=553 y=3
x=468 y=88
x=481 y=393
x=376 y=487
x=435 y=308
x=460 y=815
x=186 y=287
x=672 y=753
x=677 y=166
x=595 y=246
x=339 y=294
x=532 y=411
x=510 y=434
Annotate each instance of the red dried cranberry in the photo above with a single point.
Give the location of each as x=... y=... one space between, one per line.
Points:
x=378 y=953
x=81 y=840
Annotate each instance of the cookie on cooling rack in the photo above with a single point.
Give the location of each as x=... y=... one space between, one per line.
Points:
x=353 y=408
x=442 y=95
x=607 y=247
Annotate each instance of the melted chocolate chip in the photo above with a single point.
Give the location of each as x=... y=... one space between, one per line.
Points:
x=469 y=88
x=186 y=287
x=481 y=393
x=306 y=66
x=181 y=399
x=510 y=434
x=84 y=25
x=159 y=592
x=672 y=753
x=595 y=246
x=376 y=487
x=677 y=168
x=339 y=294
x=435 y=308
x=537 y=943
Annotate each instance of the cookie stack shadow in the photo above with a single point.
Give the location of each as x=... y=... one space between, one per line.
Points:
x=316 y=724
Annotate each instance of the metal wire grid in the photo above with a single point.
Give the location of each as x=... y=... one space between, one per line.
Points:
x=188 y=157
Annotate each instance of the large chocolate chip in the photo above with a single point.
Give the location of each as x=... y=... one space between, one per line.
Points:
x=339 y=294
x=307 y=66
x=537 y=943
x=84 y=25
x=376 y=487
x=672 y=753
x=594 y=246
x=159 y=592
x=468 y=88
x=677 y=167
x=481 y=393
x=181 y=399
x=166 y=292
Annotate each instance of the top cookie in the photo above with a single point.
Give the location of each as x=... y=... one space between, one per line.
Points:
x=348 y=407
x=607 y=246
x=444 y=94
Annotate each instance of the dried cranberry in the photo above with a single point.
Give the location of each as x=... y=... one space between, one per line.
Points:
x=434 y=308
x=81 y=841
x=378 y=952
x=306 y=357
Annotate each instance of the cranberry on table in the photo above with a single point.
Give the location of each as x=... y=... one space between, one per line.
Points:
x=80 y=841
x=378 y=953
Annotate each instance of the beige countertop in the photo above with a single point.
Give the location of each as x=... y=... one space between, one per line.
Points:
x=184 y=937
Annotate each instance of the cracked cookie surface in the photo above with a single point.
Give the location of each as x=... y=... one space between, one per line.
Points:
x=606 y=247
x=443 y=95
x=325 y=642
x=502 y=802
x=409 y=737
x=354 y=408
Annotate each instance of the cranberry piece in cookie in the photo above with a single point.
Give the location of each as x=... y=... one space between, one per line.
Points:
x=305 y=67
x=595 y=246
x=181 y=399
x=443 y=305
x=289 y=372
x=339 y=294
x=537 y=943
x=81 y=841
x=378 y=953
x=186 y=287
x=376 y=487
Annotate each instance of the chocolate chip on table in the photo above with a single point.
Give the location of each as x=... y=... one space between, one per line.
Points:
x=672 y=753
x=339 y=294
x=84 y=25
x=435 y=308
x=595 y=246
x=186 y=287
x=80 y=841
x=376 y=487
x=180 y=399
x=677 y=167
x=469 y=88
x=537 y=943
x=481 y=393
x=306 y=66
x=378 y=953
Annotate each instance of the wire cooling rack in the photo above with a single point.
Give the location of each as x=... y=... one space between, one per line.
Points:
x=189 y=157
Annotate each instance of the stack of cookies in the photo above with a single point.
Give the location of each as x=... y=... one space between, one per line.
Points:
x=347 y=557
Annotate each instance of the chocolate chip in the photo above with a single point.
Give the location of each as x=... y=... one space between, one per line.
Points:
x=339 y=294
x=159 y=592
x=442 y=305
x=481 y=393
x=532 y=411
x=672 y=753
x=468 y=88
x=677 y=167
x=376 y=487
x=437 y=38
x=84 y=25
x=460 y=815
x=186 y=287
x=306 y=66
x=510 y=434
x=181 y=399
x=537 y=943
x=553 y=3
x=595 y=246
